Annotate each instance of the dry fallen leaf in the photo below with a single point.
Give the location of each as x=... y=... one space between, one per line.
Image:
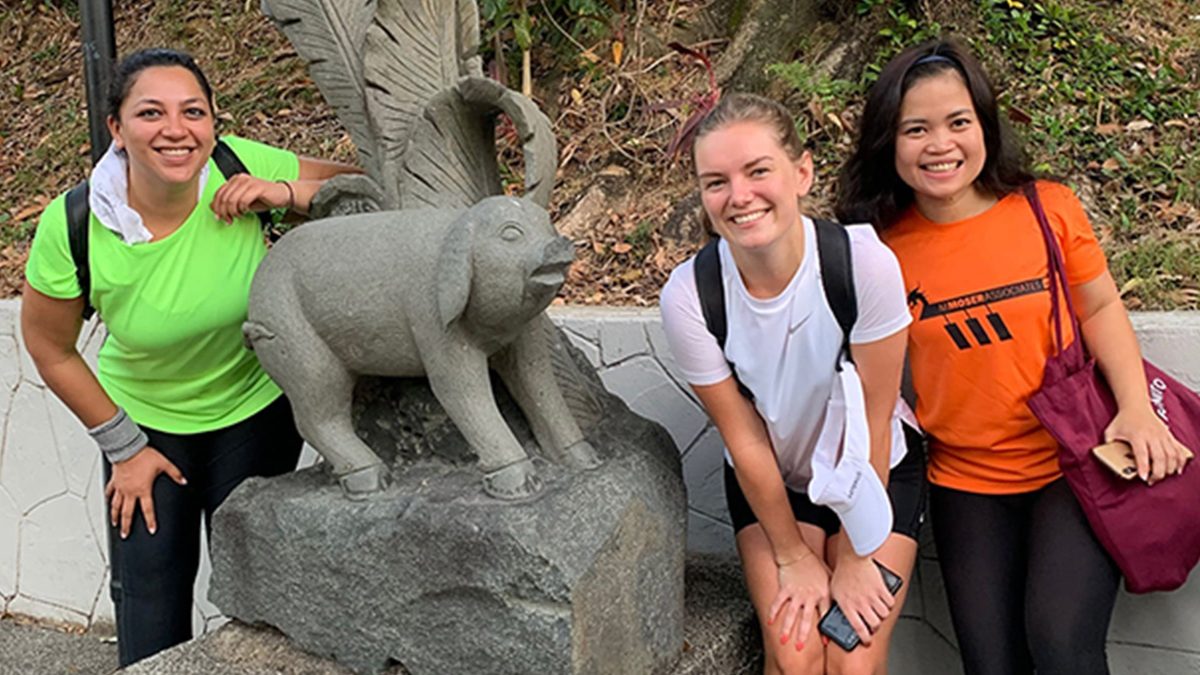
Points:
x=1110 y=164
x=622 y=248
x=1019 y=116
x=618 y=49
x=614 y=170
x=28 y=211
x=1131 y=285
x=1139 y=125
x=1108 y=129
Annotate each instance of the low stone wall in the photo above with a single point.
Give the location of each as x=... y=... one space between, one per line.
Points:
x=53 y=552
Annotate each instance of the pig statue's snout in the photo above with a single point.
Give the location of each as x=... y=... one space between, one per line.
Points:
x=557 y=255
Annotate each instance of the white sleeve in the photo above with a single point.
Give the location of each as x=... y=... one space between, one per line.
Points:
x=696 y=351
x=879 y=287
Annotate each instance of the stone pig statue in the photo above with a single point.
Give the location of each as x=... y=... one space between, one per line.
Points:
x=433 y=292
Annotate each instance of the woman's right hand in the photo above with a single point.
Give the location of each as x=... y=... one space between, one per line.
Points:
x=132 y=485
x=803 y=597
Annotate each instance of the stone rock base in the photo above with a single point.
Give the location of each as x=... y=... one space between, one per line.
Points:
x=436 y=576
x=720 y=638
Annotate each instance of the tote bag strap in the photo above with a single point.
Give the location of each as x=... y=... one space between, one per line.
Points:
x=1057 y=272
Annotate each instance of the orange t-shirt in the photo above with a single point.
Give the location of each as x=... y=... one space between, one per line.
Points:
x=981 y=334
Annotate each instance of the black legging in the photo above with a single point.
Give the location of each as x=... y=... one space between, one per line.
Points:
x=153 y=575
x=1029 y=586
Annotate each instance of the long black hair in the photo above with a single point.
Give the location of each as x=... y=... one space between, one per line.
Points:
x=869 y=190
x=131 y=66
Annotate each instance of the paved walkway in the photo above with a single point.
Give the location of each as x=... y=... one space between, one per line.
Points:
x=31 y=649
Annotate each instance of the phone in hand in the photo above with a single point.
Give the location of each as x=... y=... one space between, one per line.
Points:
x=1118 y=457
x=835 y=626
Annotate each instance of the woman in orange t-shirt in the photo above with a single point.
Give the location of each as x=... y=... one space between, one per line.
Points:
x=939 y=174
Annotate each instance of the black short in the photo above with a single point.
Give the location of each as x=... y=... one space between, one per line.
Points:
x=907 y=489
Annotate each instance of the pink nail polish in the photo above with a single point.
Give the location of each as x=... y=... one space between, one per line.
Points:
x=799 y=646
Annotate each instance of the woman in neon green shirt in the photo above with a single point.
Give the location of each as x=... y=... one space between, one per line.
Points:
x=181 y=409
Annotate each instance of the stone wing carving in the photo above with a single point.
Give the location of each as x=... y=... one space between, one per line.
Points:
x=329 y=35
x=451 y=159
x=414 y=51
x=406 y=80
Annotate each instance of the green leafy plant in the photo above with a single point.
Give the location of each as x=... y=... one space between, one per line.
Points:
x=558 y=24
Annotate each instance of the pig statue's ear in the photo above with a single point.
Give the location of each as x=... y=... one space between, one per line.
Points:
x=454 y=270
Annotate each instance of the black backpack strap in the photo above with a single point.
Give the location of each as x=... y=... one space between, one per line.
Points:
x=78 y=217
x=837 y=277
x=710 y=287
x=230 y=165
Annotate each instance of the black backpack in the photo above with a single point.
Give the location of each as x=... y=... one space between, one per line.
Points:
x=79 y=213
x=837 y=278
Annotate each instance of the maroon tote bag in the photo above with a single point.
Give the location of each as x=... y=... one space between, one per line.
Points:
x=1153 y=533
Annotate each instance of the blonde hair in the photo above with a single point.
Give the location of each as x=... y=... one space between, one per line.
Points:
x=736 y=108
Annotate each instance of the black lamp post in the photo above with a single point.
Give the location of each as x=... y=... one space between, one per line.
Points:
x=99 y=54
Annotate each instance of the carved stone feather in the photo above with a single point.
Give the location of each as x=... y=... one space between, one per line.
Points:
x=329 y=36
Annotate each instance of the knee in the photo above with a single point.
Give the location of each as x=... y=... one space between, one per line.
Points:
x=786 y=660
x=857 y=662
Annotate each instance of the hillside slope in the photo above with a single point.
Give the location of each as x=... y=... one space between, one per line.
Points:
x=1106 y=92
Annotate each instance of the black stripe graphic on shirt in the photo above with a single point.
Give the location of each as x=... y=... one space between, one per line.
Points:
x=964 y=303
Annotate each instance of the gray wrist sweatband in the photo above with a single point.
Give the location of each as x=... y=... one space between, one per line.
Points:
x=119 y=438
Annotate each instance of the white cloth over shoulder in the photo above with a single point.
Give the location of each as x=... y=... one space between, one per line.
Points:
x=108 y=196
x=786 y=348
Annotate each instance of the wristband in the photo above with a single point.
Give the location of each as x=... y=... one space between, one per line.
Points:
x=291 y=194
x=119 y=438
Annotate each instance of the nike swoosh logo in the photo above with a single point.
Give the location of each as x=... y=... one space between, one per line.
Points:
x=797 y=322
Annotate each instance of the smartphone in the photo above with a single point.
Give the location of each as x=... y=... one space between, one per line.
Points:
x=1118 y=457
x=835 y=626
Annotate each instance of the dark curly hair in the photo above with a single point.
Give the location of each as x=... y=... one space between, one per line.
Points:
x=869 y=190
x=126 y=72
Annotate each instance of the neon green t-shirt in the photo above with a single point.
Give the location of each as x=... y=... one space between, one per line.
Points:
x=174 y=357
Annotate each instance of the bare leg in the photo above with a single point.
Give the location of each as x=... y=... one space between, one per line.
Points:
x=898 y=554
x=762 y=580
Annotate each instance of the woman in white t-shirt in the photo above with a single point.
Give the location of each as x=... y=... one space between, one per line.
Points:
x=796 y=438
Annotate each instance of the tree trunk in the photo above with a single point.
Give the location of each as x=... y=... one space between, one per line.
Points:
x=763 y=32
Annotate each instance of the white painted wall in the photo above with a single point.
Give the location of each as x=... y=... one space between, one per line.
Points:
x=53 y=554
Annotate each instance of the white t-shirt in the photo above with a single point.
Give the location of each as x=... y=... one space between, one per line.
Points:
x=785 y=348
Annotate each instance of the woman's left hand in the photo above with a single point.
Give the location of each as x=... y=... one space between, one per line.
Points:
x=858 y=588
x=244 y=193
x=1157 y=453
